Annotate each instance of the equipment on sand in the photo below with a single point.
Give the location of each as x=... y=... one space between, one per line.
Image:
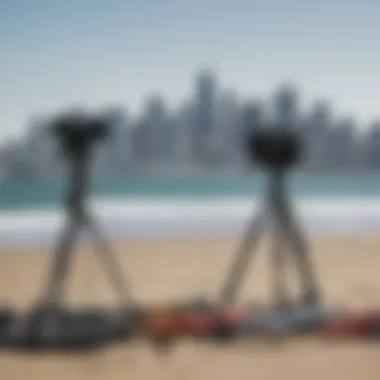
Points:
x=49 y=324
x=166 y=323
x=276 y=150
x=56 y=329
x=359 y=325
x=302 y=319
x=223 y=324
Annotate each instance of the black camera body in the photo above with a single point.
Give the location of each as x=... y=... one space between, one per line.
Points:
x=76 y=133
x=275 y=148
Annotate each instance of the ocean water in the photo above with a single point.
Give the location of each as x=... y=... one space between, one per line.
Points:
x=201 y=204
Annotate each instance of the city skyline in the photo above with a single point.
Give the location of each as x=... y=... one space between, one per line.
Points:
x=206 y=133
x=99 y=53
x=266 y=100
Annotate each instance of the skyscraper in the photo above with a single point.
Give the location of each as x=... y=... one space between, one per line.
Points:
x=118 y=148
x=228 y=125
x=371 y=146
x=159 y=127
x=39 y=149
x=205 y=101
x=182 y=138
x=204 y=116
x=285 y=105
x=316 y=130
x=252 y=116
x=341 y=144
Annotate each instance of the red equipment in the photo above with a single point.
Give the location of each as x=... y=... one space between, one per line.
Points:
x=166 y=324
x=355 y=325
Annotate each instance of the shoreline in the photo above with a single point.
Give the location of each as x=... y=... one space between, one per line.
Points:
x=25 y=246
x=129 y=219
x=38 y=242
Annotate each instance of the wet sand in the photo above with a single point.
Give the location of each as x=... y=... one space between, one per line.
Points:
x=165 y=269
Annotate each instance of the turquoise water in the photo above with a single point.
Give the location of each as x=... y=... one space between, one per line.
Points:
x=23 y=196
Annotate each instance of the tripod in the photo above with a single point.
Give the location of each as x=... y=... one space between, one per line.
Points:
x=287 y=234
x=78 y=217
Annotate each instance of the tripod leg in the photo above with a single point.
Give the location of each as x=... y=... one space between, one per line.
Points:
x=278 y=257
x=241 y=261
x=60 y=264
x=109 y=260
x=298 y=242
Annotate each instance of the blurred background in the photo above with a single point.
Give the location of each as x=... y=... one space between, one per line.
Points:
x=181 y=83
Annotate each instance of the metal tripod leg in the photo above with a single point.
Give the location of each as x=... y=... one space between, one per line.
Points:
x=298 y=243
x=109 y=261
x=241 y=261
x=61 y=263
x=278 y=261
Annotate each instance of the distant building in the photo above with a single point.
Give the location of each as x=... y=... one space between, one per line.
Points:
x=40 y=150
x=159 y=127
x=182 y=136
x=341 y=145
x=371 y=146
x=203 y=128
x=316 y=129
x=252 y=117
x=286 y=106
x=116 y=153
x=228 y=128
x=140 y=143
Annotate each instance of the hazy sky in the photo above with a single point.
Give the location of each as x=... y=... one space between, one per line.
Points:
x=58 y=52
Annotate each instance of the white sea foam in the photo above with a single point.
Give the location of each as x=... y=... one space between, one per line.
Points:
x=120 y=217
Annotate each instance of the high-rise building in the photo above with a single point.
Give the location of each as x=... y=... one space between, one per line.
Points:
x=140 y=143
x=182 y=138
x=116 y=152
x=316 y=129
x=252 y=117
x=285 y=106
x=205 y=103
x=341 y=145
x=159 y=126
x=228 y=127
x=40 y=150
x=371 y=146
x=253 y=114
x=203 y=129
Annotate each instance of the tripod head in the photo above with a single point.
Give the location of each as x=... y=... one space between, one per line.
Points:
x=77 y=133
x=276 y=148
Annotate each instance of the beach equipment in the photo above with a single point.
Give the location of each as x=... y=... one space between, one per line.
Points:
x=275 y=149
x=300 y=319
x=49 y=324
x=354 y=324
x=43 y=329
x=166 y=323
x=218 y=324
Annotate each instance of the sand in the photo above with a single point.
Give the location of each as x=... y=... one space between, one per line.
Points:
x=163 y=269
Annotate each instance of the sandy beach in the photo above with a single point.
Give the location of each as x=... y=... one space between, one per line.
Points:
x=164 y=269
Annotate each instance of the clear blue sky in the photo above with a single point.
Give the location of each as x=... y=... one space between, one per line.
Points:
x=58 y=52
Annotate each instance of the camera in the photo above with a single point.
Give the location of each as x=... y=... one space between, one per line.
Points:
x=276 y=148
x=76 y=133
